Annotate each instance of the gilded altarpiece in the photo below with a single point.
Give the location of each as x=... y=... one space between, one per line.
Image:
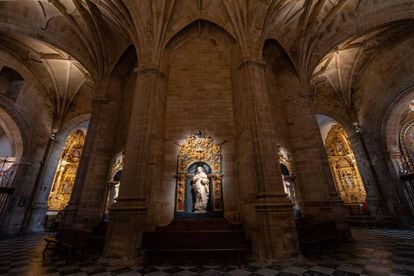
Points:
x=66 y=171
x=343 y=166
x=199 y=152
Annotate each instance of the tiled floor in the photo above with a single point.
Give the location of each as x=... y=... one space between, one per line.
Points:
x=376 y=252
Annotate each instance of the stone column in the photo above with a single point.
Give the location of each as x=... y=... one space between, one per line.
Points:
x=270 y=218
x=85 y=209
x=40 y=207
x=320 y=200
x=368 y=174
x=142 y=164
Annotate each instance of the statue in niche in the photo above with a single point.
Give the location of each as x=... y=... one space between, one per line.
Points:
x=347 y=176
x=201 y=190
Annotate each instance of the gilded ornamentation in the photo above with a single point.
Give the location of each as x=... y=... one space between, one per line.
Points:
x=199 y=147
x=66 y=171
x=343 y=166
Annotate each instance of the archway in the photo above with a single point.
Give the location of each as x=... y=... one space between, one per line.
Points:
x=342 y=161
x=11 y=154
x=398 y=137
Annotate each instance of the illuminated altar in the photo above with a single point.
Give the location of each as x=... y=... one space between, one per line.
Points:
x=66 y=171
x=343 y=166
x=199 y=155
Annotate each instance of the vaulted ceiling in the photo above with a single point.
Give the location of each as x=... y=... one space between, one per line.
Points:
x=330 y=42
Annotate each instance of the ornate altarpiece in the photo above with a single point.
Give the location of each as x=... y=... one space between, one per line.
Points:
x=66 y=171
x=199 y=150
x=343 y=166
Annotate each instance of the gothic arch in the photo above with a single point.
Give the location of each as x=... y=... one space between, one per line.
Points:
x=392 y=115
x=16 y=128
x=287 y=57
x=193 y=27
x=198 y=20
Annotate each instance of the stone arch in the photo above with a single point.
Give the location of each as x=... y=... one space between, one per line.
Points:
x=268 y=41
x=392 y=122
x=195 y=20
x=392 y=116
x=76 y=122
x=126 y=62
x=11 y=82
x=16 y=129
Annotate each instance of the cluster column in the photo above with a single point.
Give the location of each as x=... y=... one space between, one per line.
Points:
x=142 y=164
x=40 y=205
x=270 y=216
x=85 y=209
x=370 y=178
x=320 y=199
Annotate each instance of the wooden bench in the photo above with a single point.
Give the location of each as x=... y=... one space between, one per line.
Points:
x=195 y=241
x=68 y=241
x=317 y=236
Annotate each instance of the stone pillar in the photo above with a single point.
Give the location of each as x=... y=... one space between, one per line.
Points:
x=86 y=207
x=368 y=174
x=270 y=218
x=40 y=207
x=142 y=164
x=320 y=200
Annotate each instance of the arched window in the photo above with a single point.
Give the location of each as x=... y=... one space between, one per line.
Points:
x=66 y=171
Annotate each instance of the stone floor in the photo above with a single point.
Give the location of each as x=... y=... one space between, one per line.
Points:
x=376 y=252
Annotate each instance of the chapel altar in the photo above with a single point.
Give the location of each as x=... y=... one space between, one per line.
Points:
x=199 y=178
x=199 y=226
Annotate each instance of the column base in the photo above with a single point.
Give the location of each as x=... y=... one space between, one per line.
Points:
x=126 y=222
x=37 y=219
x=69 y=215
x=275 y=236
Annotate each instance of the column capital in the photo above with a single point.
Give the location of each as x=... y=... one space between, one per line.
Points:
x=149 y=69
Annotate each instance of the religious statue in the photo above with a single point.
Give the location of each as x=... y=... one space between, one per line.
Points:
x=201 y=190
x=347 y=176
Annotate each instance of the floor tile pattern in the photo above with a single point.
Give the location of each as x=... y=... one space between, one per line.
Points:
x=375 y=252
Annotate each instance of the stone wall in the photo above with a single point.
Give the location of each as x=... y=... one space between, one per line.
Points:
x=199 y=97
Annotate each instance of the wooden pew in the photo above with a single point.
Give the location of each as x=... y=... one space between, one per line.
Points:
x=67 y=241
x=317 y=236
